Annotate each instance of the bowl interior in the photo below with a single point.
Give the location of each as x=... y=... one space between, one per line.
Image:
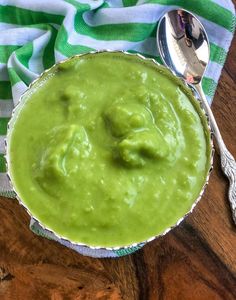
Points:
x=151 y=63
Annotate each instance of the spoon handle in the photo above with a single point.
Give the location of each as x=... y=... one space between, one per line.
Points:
x=228 y=163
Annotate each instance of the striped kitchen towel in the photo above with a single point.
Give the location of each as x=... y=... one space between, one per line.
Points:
x=36 y=34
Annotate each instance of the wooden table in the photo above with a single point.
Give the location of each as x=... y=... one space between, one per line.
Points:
x=197 y=260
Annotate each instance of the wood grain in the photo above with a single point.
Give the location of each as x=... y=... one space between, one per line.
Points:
x=197 y=260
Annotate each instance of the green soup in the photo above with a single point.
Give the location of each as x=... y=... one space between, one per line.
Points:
x=109 y=150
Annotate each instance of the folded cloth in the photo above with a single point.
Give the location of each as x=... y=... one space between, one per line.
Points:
x=36 y=34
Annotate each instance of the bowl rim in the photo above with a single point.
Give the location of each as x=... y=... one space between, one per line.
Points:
x=47 y=72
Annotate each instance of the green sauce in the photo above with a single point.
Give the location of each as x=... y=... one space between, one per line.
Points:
x=109 y=150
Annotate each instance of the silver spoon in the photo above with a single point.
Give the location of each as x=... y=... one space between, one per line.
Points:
x=184 y=48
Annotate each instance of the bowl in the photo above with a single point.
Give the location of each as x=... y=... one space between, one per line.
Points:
x=36 y=225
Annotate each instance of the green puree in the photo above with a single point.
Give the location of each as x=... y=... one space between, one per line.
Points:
x=109 y=150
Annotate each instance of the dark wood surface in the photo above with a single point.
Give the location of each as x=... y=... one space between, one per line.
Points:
x=197 y=260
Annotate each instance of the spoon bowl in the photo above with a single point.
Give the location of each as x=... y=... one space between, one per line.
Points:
x=183 y=45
